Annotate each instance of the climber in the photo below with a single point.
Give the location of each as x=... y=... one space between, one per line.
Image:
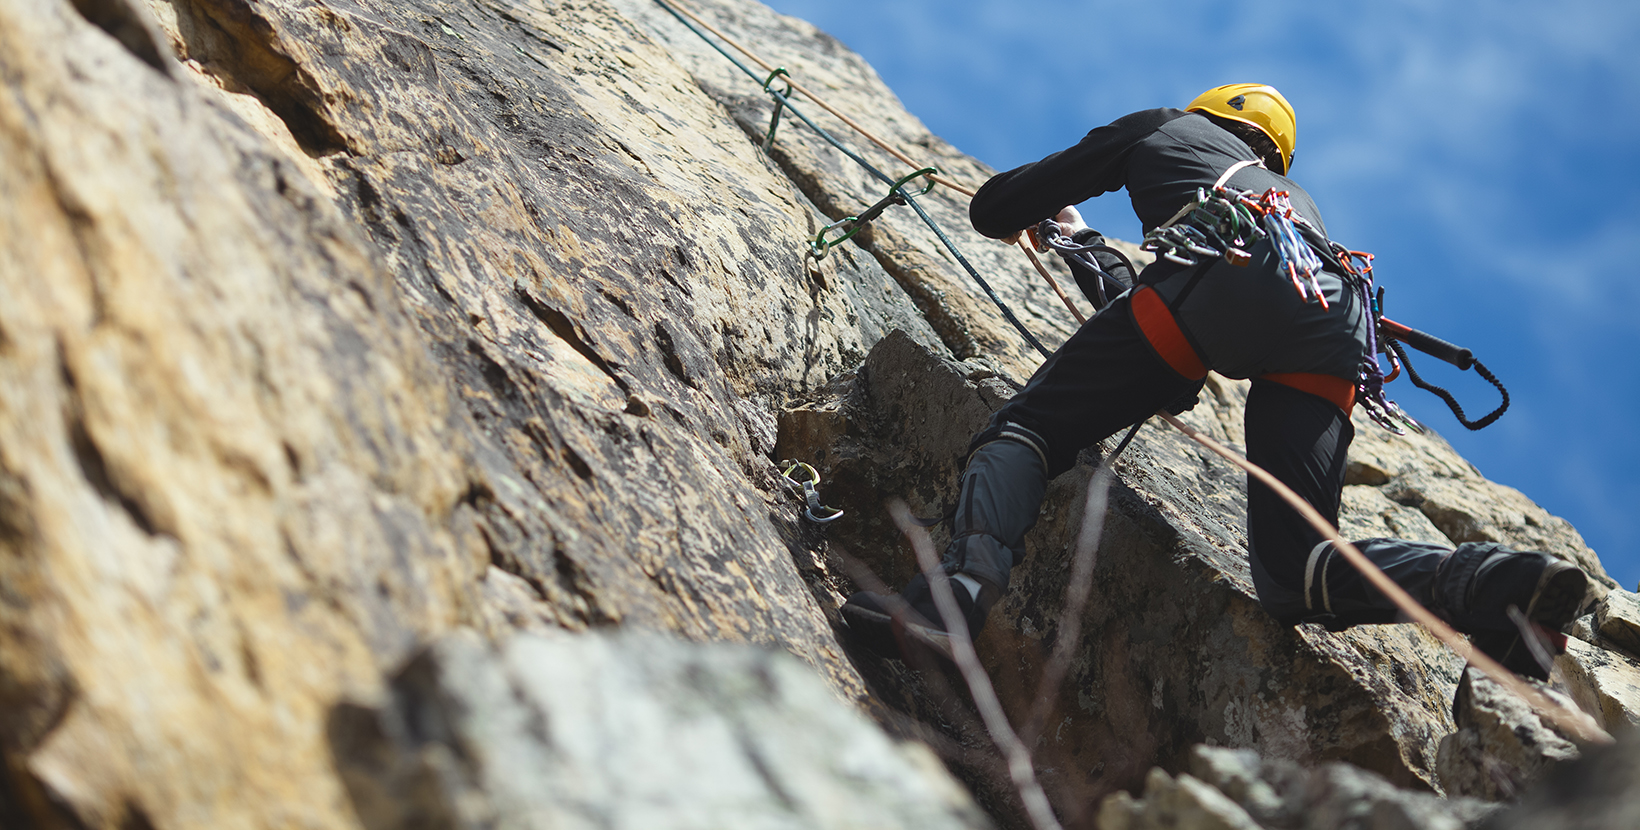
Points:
x=1151 y=347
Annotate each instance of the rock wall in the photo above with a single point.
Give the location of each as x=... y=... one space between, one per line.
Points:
x=330 y=328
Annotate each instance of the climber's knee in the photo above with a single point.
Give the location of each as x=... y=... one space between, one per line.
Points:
x=1009 y=431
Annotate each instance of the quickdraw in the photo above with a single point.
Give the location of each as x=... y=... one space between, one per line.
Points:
x=1293 y=254
x=694 y=24
x=852 y=225
x=813 y=510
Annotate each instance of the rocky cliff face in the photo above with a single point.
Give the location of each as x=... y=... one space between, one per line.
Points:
x=332 y=330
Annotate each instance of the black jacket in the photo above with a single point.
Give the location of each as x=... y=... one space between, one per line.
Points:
x=1161 y=156
x=1243 y=321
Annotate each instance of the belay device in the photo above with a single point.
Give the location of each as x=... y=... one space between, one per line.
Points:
x=1226 y=222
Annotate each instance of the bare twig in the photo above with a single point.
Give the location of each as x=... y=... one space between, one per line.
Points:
x=866 y=578
x=1533 y=640
x=1037 y=808
x=1069 y=635
x=937 y=686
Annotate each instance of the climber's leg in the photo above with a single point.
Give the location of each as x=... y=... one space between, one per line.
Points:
x=1302 y=440
x=1104 y=378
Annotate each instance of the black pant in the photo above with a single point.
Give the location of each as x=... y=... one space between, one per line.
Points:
x=1106 y=378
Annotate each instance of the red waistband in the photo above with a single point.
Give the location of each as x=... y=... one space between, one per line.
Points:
x=1165 y=336
x=1341 y=392
x=1159 y=327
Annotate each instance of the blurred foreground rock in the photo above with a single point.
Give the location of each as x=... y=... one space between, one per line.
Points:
x=1237 y=790
x=598 y=730
x=1501 y=745
x=1595 y=792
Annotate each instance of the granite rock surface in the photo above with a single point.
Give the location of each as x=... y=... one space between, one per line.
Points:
x=331 y=327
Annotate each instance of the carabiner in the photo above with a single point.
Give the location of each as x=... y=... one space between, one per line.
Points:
x=813 y=510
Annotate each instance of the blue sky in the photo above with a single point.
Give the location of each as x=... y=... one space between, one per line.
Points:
x=1488 y=153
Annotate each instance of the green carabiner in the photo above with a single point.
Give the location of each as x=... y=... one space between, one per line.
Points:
x=779 y=103
x=821 y=246
x=930 y=172
x=779 y=71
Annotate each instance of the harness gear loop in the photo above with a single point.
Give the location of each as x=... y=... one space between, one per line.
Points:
x=814 y=511
x=1218 y=223
x=779 y=103
x=1371 y=379
x=852 y=225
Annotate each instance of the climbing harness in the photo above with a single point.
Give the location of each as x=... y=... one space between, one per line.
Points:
x=1218 y=223
x=813 y=510
x=852 y=225
x=1225 y=222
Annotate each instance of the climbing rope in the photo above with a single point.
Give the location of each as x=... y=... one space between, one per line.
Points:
x=1570 y=719
x=689 y=20
x=680 y=11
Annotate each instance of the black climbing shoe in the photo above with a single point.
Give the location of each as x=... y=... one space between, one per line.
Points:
x=1549 y=592
x=907 y=625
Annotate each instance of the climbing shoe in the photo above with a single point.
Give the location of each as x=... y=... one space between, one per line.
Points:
x=908 y=626
x=1479 y=583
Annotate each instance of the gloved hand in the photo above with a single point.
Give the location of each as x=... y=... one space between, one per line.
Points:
x=1186 y=402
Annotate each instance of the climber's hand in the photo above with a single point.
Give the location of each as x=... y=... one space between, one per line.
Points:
x=1070 y=221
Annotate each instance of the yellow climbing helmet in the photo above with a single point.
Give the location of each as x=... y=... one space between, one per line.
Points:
x=1256 y=104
